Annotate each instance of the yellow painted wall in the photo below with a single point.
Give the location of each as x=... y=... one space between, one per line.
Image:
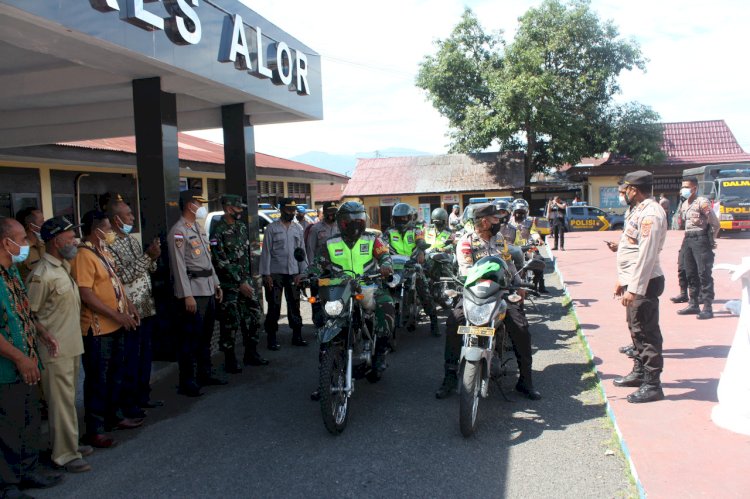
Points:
x=595 y=183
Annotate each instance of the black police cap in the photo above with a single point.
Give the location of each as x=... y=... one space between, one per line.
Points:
x=485 y=210
x=638 y=178
x=56 y=226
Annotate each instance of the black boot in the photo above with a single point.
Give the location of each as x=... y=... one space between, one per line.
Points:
x=542 y=287
x=381 y=345
x=434 y=325
x=691 y=309
x=297 y=340
x=706 y=313
x=681 y=298
x=230 y=363
x=251 y=356
x=450 y=383
x=634 y=378
x=650 y=390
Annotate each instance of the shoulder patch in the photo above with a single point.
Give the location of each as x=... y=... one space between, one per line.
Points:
x=179 y=238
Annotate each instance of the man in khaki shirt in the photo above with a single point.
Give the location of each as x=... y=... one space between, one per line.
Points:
x=32 y=220
x=53 y=297
x=640 y=282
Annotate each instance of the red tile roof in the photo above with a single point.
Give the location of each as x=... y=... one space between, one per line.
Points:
x=435 y=174
x=192 y=148
x=701 y=141
x=328 y=192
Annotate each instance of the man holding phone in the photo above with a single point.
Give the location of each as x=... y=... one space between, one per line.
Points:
x=134 y=268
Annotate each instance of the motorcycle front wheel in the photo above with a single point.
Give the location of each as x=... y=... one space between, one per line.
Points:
x=334 y=403
x=471 y=382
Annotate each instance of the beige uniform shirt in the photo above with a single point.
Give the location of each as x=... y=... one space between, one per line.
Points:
x=471 y=248
x=698 y=215
x=277 y=253
x=640 y=245
x=53 y=297
x=318 y=235
x=189 y=251
x=36 y=252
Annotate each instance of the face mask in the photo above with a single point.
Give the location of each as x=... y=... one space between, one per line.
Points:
x=201 y=212
x=331 y=218
x=109 y=237
x=439 y=224
x=125 y=227
x=287 y=217
x=36 y=230
x=237 y=215
x=22 y=255
x=354 y=229
x=519 y=217
x=69 y=251
x=504 y=218
x=685 y=192
x=495 y=228
x=623 y=201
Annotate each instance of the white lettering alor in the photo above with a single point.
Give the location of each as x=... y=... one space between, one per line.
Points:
x=184 y=25
x=283 y=67
x=135 y=14
x=302 y=86
x=261 y=71
x=105 y=5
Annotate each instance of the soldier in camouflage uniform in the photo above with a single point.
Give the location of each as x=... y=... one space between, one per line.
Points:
x=240 y=308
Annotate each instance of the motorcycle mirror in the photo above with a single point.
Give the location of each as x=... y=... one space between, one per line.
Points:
x=514 y=298
x=394 y=281
x=299 y=254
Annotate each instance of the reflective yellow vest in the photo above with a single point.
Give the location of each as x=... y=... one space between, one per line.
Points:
x=402 y=245
x=357 y=259
x=436 y=239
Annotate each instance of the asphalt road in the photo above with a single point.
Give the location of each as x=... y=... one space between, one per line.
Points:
x=261 y=436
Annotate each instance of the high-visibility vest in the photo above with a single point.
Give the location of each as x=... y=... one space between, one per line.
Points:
x=402 y=244
x=436 y=239
x=357 y=259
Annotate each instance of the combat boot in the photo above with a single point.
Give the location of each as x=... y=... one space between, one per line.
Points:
x=450 y=383
x=634 y=378
x=681 y=298
x=691 y=309
x=230 y=363
x=542 y=287
x=650 y=390
x=706 y=313
x=434 y=325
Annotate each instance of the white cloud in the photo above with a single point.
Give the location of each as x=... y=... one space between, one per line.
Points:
x=698 y=69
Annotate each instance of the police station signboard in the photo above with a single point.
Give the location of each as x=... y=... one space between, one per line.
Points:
x=219 y=40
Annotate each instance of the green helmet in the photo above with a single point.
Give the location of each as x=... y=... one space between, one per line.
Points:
x=351 y=219
x=439 y=217
x=401 y=215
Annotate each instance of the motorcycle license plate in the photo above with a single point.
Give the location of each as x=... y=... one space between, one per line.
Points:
x=476 y=331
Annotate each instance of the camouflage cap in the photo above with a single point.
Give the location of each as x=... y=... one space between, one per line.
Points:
x=232 y=200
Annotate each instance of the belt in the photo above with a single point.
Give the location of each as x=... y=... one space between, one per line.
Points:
x=194 y=274
x=696 y=233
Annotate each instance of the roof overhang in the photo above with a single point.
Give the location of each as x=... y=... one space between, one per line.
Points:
x=67 y=66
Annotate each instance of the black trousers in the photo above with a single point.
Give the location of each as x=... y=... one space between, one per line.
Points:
x=20 y=421
x=195 y=342
x=103 y=361
x=643 y=322
x=518 y=330
x=136 y=380
x=558 y=231
x=699 y=261
x=681 y=272
x=283 y=285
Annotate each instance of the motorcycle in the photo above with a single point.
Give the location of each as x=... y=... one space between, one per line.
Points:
x=486 y=344
x=347 y=342
x=403 y=288
x=443 y=269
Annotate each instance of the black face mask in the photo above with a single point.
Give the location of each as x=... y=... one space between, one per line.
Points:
x=495 y=228
x=330 y=218
x=519 y=217
x=287 y=217
x=237 y=216
x=439 y=224
x=353 y=230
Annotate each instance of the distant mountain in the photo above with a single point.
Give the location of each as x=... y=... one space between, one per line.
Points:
x=344 y=164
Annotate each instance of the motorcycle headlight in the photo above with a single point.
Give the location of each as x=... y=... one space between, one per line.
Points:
x=479 y=315
x=334 y=308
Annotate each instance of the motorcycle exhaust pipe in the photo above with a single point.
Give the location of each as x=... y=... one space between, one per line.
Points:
x=349 y=388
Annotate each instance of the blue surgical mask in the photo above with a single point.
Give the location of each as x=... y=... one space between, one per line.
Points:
x=125 y=227
x=23 y=255
x=685 y=192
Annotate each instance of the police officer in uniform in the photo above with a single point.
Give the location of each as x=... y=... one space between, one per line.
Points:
x=439 y=235
x=315 y=241
x=471 y=247
x=640 y=282
x=282 y=272
x=701 y=230
x=520 y=231
x=404 y=239
x=239 y=308
x=197 y=288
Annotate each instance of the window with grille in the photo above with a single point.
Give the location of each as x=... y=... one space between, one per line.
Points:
x=270 y=192
x=299 y=192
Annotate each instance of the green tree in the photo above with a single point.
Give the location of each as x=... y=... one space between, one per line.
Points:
x=548 y=94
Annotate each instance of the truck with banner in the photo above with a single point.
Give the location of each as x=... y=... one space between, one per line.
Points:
x=728 y=187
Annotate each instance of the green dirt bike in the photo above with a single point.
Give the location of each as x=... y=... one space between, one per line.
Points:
x=486 y=344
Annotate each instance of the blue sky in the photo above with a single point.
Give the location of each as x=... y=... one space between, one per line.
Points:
x=698 y=67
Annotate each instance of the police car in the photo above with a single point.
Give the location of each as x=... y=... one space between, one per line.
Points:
x=581 y=217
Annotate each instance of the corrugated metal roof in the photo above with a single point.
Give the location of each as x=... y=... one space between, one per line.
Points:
x=435 y=174
x=191 y=148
